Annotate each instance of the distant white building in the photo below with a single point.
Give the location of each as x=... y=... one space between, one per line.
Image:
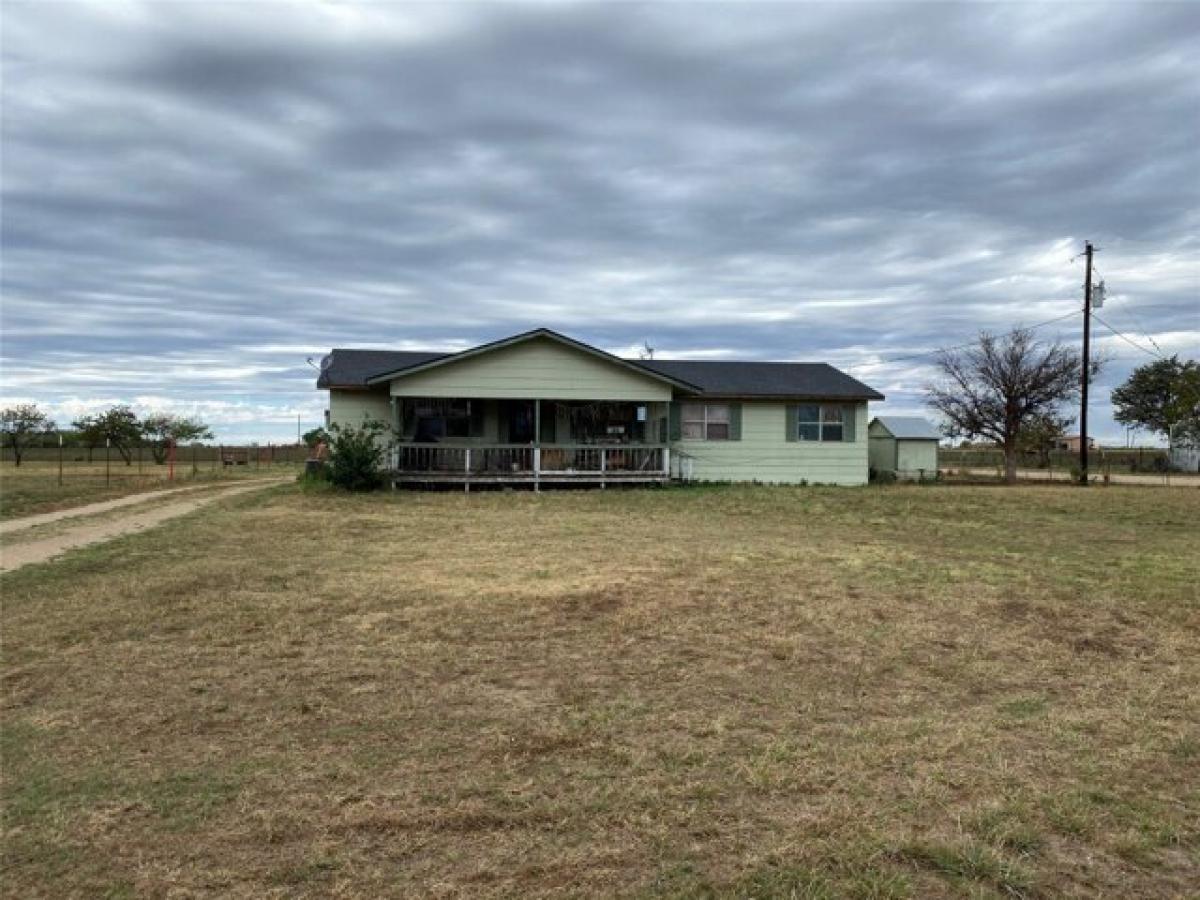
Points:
x=1185 y=457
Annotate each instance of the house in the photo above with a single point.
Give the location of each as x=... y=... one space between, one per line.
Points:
x=906 y=446
x=1070 y=443
x=542 y=408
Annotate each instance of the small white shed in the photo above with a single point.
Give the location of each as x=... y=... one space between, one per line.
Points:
x=904 y=445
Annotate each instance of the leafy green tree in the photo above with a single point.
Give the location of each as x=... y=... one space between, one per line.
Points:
x=1041 y=435
x=1162 y=397
x=119 y=426
x=20 y=423
x=89 y=431
x=160 y=429
x=315 y=436
x=356 y=455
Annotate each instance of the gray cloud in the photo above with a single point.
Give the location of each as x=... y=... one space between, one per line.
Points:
x=195 y=199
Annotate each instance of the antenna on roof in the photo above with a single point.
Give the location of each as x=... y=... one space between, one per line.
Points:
x=326 y=362
x=647 y=352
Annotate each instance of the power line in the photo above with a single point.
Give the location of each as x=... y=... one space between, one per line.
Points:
x=1137 y=322
x=1127 y=340
x=967 y=344
x=1140 y=326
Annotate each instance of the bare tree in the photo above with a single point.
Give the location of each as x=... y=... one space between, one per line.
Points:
x=1003 y=384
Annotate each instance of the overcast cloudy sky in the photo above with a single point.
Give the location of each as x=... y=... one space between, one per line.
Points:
x=196 y=197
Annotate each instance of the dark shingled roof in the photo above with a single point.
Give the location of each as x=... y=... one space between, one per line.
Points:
x=353 y=369
x=765 y=379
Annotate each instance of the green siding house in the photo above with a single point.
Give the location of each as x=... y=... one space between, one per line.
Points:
x=542 y=408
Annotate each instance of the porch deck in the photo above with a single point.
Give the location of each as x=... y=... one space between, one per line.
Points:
x=552 y=464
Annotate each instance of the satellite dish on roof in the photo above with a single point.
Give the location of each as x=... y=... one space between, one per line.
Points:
x=326 y=361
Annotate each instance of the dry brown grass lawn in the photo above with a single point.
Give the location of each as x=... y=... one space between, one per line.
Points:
x=904 y=692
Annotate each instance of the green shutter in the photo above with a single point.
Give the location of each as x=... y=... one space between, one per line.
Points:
x=735 y=421
x=793 y=421
x=849 y=415
x=675 y=429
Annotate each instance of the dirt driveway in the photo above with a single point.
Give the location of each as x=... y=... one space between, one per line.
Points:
x=1175 y=479
x=40 y=549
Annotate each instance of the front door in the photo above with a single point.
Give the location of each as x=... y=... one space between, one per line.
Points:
x=520 y=421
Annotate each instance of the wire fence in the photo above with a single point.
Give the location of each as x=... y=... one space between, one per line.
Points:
x=143 y=463
x=1133 y=460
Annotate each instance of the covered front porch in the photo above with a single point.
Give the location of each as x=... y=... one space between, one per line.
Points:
x=532 y=442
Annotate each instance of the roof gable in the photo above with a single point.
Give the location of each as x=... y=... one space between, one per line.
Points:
x=524 y=337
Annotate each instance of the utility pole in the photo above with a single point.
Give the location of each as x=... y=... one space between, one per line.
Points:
x=1087 y=342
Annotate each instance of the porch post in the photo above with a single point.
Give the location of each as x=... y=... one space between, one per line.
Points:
x=537 y=444
x=665 y=439
x=394 y=447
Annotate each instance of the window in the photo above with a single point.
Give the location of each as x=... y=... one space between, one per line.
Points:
x=808 y=422
x=437 y=419
x=820 y=422
x=705 y=421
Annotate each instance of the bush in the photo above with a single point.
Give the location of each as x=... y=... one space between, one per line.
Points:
x=356 y=454
x=881 y=476
x=314 y=474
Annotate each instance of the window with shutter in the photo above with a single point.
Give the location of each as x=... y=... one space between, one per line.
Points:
x=821 y=422
x=706 y=422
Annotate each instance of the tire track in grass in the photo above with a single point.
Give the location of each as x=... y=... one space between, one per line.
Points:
x=43 y=549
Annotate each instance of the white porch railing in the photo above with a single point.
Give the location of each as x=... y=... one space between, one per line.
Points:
x=524 y=462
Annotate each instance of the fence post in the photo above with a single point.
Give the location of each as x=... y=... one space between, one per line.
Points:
x=537 y=469
x=195 y=470
x=666 y=467
x=467 y=471
x=107 y=464
x=60 y=458
x=603 y=467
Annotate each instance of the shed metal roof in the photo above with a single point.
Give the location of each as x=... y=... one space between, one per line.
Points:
x=909 y=428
